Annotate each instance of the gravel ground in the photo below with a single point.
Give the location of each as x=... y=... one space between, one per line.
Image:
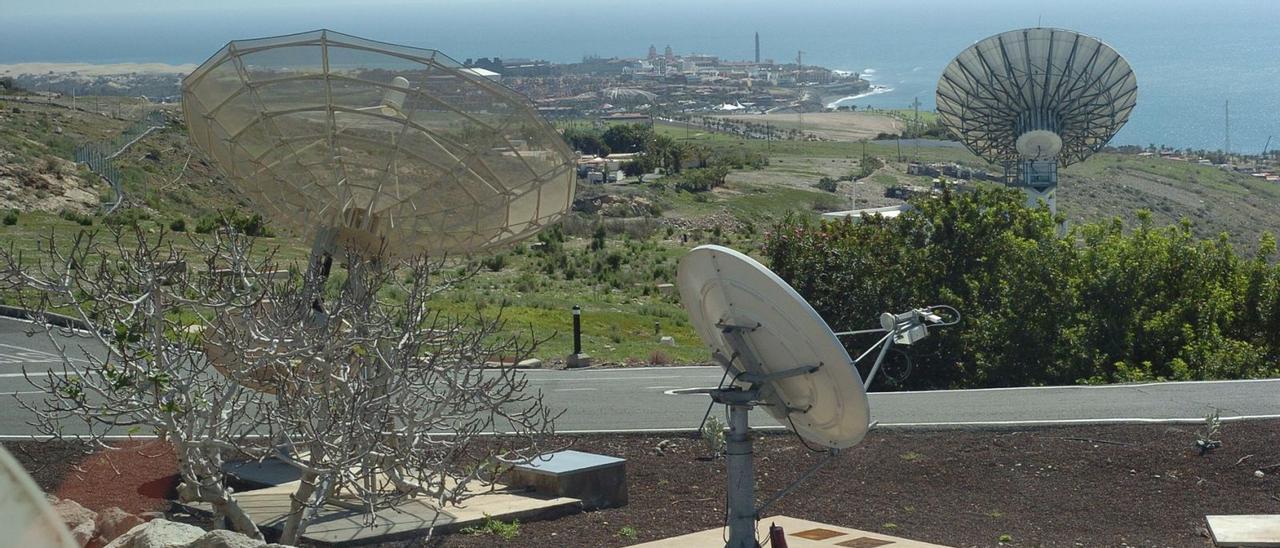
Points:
x=1064 y=486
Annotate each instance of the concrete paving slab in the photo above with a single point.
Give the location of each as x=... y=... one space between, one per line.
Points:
x=339 y=526
x=800 y=534
x=266 y=473
x=1245 y=530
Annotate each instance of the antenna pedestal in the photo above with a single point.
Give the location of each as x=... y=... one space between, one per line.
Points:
x=738 y=454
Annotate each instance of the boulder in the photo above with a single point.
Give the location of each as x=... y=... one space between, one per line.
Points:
x=82 y=533
x=531 y=363
x=159 y=533
x=114 y=522
x=81 y=521
x=225 y=539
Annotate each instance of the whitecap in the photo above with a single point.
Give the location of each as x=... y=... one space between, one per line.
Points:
x=875 y=90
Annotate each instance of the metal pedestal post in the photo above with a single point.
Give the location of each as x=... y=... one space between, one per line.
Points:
x=740 y=494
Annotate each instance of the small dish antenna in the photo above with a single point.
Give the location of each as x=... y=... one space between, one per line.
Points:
x=779 y=354
x=1035 y=99
x=25 y=515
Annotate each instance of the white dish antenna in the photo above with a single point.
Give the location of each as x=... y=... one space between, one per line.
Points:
x=782 y=356
x=25 y=515
x=1034 y=99
x=767 y=334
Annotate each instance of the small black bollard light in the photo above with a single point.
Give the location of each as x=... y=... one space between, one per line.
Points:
x=577 y=329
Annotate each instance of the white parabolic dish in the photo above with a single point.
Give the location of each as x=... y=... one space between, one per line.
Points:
x=25 y=516
x=720 y=286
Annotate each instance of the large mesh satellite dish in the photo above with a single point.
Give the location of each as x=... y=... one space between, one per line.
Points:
x=385 y=143
x=1033 y=99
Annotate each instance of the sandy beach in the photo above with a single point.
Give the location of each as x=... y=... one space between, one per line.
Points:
x=89 y=69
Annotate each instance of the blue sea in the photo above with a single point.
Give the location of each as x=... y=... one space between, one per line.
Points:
x=1190 y=57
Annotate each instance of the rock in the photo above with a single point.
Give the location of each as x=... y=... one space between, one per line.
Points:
x=667 y=340
x=577 y=360
x=82 y=533
x=114 y=522
x=81 y=521
x=225 y=539
x=148 y=516
x=159 y=533
x=531 y=363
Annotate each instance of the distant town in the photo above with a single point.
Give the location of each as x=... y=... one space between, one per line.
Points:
x=658 y=82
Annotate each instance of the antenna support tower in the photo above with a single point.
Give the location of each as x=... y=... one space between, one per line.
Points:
x=1034 y=100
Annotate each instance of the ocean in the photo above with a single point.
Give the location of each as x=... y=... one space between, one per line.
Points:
x=1190 y=57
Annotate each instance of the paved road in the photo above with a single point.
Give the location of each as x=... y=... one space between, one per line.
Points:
x=638 y=399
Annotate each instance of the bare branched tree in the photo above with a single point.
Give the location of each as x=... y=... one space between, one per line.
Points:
x=138 y=368
x=356 y=380
x=379 y=396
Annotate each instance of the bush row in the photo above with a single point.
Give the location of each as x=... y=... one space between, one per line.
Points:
x=1097 y=303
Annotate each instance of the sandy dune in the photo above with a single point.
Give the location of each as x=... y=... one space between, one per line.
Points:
x=89 y=69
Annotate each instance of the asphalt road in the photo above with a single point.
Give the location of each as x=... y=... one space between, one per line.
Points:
x=638 y=399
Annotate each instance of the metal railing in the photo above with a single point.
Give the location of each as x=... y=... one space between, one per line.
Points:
x=99 y=156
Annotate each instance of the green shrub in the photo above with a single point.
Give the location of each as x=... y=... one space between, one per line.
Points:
x=178 y=225
x=497 y=527
x=11 y=217
x=1098 y=304
x=494 y=262
x=76 y=217
x=208 y=224
x=130 y=216
x=702 y=179
x=826 y=183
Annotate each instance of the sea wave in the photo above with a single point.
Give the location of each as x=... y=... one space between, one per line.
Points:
x=875 y=90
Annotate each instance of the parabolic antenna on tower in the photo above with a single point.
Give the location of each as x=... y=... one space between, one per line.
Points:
x=1033 y=99
x=392 y=146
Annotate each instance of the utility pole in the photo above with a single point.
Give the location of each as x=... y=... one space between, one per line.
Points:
x=915 y=104
x=1226 y=116
x=800 y=103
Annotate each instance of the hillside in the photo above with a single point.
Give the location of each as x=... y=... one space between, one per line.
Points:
x=617 y=254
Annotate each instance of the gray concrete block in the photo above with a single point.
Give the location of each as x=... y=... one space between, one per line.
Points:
x=599 y=481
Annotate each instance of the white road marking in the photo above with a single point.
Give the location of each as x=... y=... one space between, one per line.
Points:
x=1083 y=386
x=37 y=374
x=26 y=355
x=607 y=379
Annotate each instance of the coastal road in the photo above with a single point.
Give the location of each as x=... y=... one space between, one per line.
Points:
x=639 y=399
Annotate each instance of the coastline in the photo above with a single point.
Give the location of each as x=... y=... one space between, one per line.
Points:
x=94 y=69
x=876 y=89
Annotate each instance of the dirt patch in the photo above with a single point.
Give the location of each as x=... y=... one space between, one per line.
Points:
x=833 y=126
x=1073 y=486
x=1068 y=486
x=137 y=477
